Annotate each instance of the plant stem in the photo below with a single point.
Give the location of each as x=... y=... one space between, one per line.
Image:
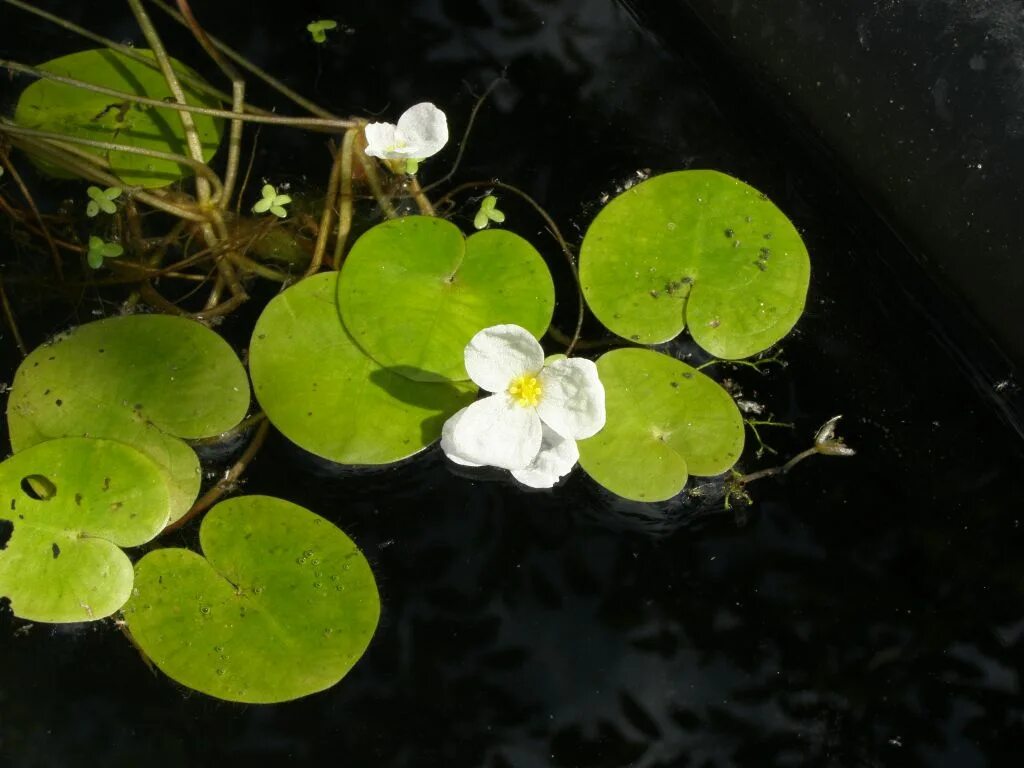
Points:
x=11 y=322
x=192 y=141
x=237 y=99
x=274 y=83
x=345 y=207
x=213 y=495
x=200 y=168
x=324 y=228
x=312 y=123
x=193 y=81
x=421 y=199
x=5 y=160
x=465 y=135
x=373 y=179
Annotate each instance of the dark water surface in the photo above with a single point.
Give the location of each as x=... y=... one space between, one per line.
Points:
x=865 y=612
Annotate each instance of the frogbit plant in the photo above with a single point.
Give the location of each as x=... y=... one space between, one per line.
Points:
x=101 y=200
x=421 y=132
x=318 y=29
x=488 y=212
x=535 y=414
x=272 y=202
x=100 y=250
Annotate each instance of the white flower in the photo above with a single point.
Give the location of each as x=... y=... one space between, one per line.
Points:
x=422 y=131
x=531 y=422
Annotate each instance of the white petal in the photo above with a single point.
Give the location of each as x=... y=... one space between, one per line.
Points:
x=495 y=432
x=501 y=353
x=446 y=441
x=572 y=398
x=381 y=140
x=557 y=456
x=424 y=128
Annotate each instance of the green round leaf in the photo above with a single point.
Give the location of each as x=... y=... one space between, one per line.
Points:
x=282 y=605
x=327 y=396
x=146 y=380
x=666 y=421
x=414 y=291
x=51 y=106
x=73 y=503
x=695 y=249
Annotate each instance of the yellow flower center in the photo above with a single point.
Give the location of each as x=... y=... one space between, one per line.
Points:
x=525 y=390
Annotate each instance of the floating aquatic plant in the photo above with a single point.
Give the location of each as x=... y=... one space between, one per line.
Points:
x=318 y=29
x=272 y=201
x=101 y=200
x=368 y=364
x=487 y=213
x=99 y=250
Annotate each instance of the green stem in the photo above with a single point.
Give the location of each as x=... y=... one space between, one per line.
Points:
x=237 y=100
x=125 y=50
x=192 y=141
x=312 y=123
x=253 y=69
x=5 y=162
x=201 y=169
x=89 y=167
x=324 y=228
x=345 y=206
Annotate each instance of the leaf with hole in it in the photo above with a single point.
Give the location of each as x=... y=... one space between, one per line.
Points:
x=665 y=421
x=282 y=605
x=698 y=250
x=147 y=380
x=71 y=504
x=47 y=105
x=327 y=396
x=414 y=291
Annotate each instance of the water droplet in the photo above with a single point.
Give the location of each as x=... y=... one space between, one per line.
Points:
x=308 y=553
x=204 y=609
x=300 y=561
x=135 y=592
x=220 y=671
x=257 y=589
x=218 y=648
x=671 y=226
x=316 y=562
x=317 y=585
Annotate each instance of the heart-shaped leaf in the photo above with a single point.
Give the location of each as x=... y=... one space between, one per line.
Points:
x=414 y=291
x=51 y=106
x=282 y=605
x=146 y=380
x=666 y=421
x=72 y=503
x=327 y=396
x=695 y=249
